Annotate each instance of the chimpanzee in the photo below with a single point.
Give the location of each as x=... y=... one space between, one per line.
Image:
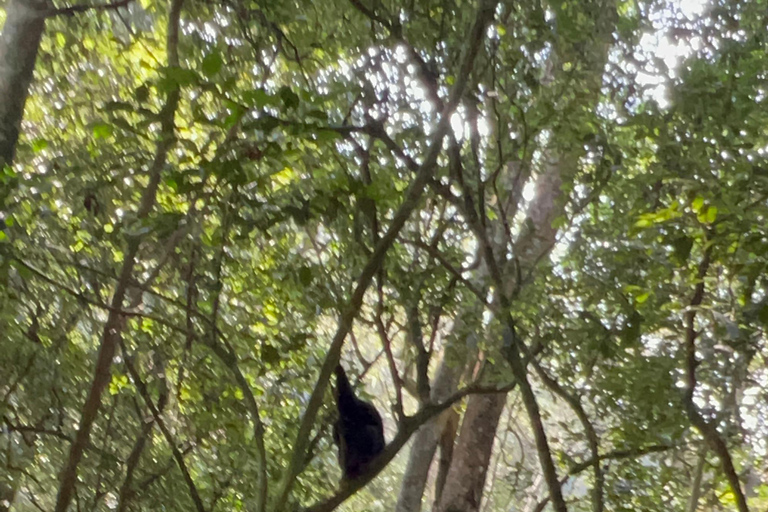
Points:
x=358 y=432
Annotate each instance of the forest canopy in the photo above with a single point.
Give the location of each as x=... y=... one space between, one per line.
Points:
x=533 y=235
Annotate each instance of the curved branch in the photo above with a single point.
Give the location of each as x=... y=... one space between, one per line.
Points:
x=706 y=428
x=592 y=439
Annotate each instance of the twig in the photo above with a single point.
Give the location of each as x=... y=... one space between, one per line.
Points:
x=512 y=353
x=455 y=272
x=74 y=9
x=132 y=462
x=589 y=430
x=613 y=455
x=177 y=455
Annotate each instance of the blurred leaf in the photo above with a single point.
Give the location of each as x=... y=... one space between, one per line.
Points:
x=212 y=64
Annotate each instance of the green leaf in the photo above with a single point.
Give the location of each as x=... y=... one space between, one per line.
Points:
x=257 y=98
x=697 y=204
x=290 y=99
x=762 y=315
x=711 y=214
x=181 y=77
x=39 y=144
x=212 y=64
x=327 y=135
x=682 y=249
x=102 y=131
x=318 y=114
x=305 y=275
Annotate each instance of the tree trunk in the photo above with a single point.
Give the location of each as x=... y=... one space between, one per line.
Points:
x=425 y=441
x=446 y=443
x=466 y=479
x=19 y=43
x=463 y=490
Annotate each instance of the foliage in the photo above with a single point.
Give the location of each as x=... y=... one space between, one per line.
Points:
x=296 y=137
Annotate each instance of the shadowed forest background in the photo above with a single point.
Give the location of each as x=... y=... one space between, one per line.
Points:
x=535 y=234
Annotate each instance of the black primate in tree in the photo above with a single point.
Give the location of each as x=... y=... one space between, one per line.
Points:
x=358 y=432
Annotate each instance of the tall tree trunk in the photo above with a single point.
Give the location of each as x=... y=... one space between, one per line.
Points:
x=19 y=43
x=450 y=428
x=466 y=478
x=463 y=489
x=425 y=441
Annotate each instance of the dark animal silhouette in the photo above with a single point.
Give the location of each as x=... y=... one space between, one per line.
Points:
x=358 y=433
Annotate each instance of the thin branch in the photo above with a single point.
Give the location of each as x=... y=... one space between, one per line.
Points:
x=693 y=500
x=707 y=429
x=511 y=347
x=14 y=427
x=156 y=415
x=589 y=430
x=118 y=311
x=226 y=353
x=74 y=9
x=132 y=462
x=455 y=272
x=387 y=344
x=613 y=455
x=369 y=13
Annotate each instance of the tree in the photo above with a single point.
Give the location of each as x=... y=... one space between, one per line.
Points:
x=19 y=42
x=532 y=234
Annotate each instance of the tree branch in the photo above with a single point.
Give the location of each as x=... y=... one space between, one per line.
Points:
x=75 y=9
x=112 y=333
x=707 y=429
x=589 y=431
x=177 y=455
x=613 y=455
x=407 y=427
x=511 y=348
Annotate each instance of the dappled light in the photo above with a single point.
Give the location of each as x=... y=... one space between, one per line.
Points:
x=483 y=256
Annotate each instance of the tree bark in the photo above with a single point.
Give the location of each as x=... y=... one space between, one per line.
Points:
x=425 y=442
x=446 y=443
x=463 y=490
x=19 y=44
